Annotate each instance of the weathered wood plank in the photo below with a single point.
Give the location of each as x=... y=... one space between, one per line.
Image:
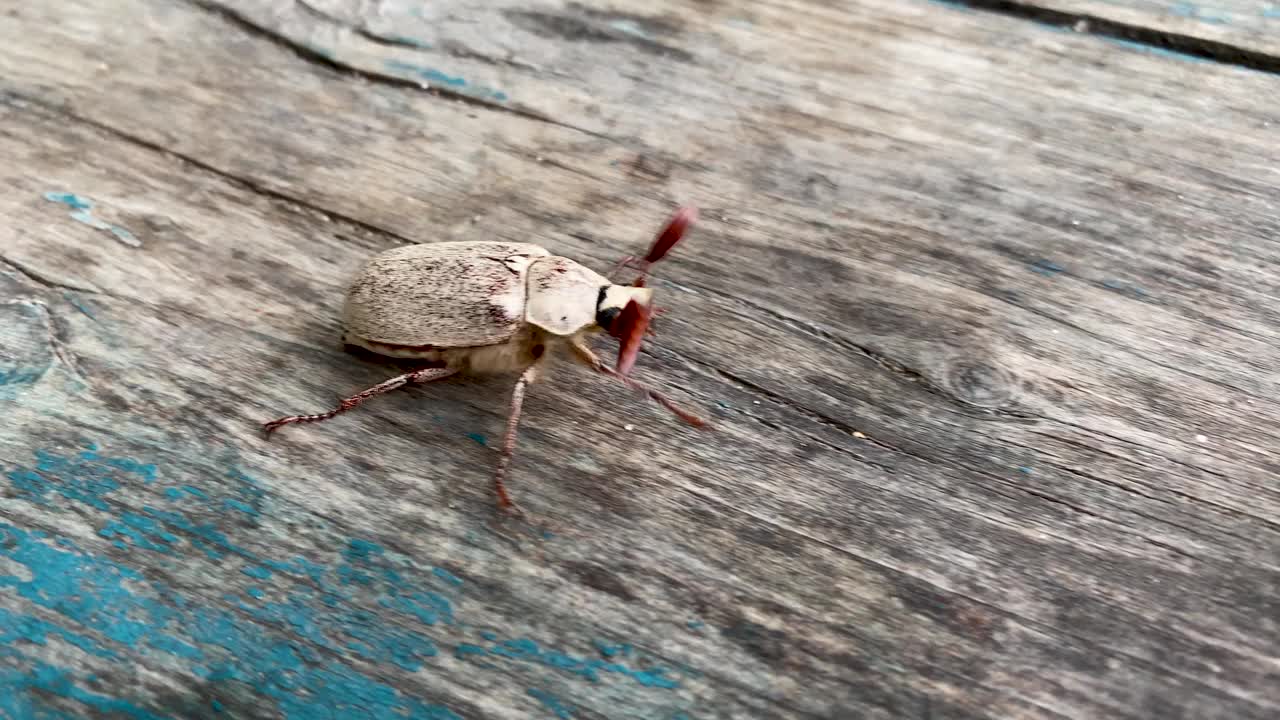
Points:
x=1251 y=25
x=999 y=538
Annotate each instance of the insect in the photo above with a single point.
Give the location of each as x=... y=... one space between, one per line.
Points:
x=485 y=308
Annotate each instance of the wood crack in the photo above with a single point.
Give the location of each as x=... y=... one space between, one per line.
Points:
x=1163 y=40
x=319 y=57
x=1173 y=491
x=38 y=278
x=295 y=204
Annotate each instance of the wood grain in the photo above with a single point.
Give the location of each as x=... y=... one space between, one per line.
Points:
x=985 y=314
x=1252 y=26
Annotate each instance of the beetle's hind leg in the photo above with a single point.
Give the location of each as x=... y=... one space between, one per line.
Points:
x=417 y=376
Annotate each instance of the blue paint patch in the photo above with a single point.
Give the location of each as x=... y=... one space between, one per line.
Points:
x=609 y=650
x=1125 y=288
x=15 y=627
x=1024 y=470
x=20 y=376
x=286 y=650
x=696 y=624
x=358 y=550
x=526 y=650
x=233 y=504
x=1048 y=268
x=481 y=439
x=410 y=41
x=630 y=27
x=551 y=702
x=71 y=200
x=1271 y=11
x=435 y=78
x=1158 y=51
x=125 y=236
x=81 y=211
x=80 y=305
x=1207 y=15
x=446 y=576
x=143 y=532
x=55 y=681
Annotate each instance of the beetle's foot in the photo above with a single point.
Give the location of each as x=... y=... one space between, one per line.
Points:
x=270 y=427
x=508 y=509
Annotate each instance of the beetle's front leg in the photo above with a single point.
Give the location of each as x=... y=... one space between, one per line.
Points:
x=509 y=438
x=589 y=358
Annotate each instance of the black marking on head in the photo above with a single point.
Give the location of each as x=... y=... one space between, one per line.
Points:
x=605 y=317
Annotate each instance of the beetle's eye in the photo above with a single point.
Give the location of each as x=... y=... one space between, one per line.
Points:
x=605 y=317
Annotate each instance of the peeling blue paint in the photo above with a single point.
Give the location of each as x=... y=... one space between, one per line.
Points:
x=954 y=4
x=21 y=376
x=436 y=78
x=411 y=41
x=481 y=439
x=446 y=576
x=696 y=624
x=610 y=650
x=16 y=626
x=81 y=211
x=630 y=27
x=1048 y=268
x=80 y=304
x=1123 y=287
x=284 y=643
x=55 y=681
x=552 y=703
x=526 y=650
x=1158 y=51
x=1208 y=15
x=71 y=200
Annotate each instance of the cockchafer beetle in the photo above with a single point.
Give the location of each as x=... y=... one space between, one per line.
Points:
x=484 y=308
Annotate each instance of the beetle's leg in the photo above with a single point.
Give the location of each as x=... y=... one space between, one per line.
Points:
x=509 y=438
x=399 y=381
x=589 y=358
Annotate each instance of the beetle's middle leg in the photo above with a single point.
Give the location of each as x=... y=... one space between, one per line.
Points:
x=417 y=376
x=509 y=438
x=589 y=358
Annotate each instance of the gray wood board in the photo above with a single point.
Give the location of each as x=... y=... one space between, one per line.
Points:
x=984 y=314
x=1253 y=26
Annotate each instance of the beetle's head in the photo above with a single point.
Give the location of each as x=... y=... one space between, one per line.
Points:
x=624 y=311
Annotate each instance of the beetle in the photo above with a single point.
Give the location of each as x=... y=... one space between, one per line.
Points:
x=489 y=308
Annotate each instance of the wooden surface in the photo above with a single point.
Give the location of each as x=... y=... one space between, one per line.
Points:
x=985 y=314
x=1250 y=27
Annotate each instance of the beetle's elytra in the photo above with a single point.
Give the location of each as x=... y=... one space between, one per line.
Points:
x=495 y=307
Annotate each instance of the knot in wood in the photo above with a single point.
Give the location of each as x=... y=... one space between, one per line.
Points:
x=981 y=383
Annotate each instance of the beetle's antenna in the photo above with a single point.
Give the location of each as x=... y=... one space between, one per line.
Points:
x=662 y=244
x=633 y=322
